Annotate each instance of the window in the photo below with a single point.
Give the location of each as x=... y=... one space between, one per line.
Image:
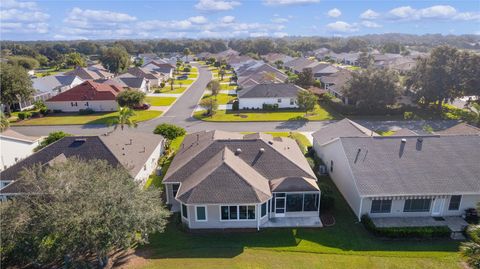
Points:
x=184 y=211
x=175 y=188
x=263 y=210
x=331 y=166
x=279 y=100
x=310 y=202
x=381 y=206
x=292 y=101
x=243 y=212
x=71 y=103
x=201 y=213
x=86 y=104
x=417 y=205
x=294 y=202
x=455 y=202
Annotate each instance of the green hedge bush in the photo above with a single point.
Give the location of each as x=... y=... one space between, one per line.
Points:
x=406 y=232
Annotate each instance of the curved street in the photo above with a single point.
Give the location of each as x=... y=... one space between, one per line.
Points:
x=181 y=114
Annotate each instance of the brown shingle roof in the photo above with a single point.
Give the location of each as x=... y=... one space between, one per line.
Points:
x=87 y=91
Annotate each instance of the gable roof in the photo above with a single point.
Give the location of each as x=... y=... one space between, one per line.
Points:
x=126 y=82
x=293 y=184
x=11 y=134
x=460 y=129
x=50 y=83
x=88 y=91
x=86 y=73
x=126 y=148
x=343 y=128
x=271 y=90
x=434 y=165
x=143 y=73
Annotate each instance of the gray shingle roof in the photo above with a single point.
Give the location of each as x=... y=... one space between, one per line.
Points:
x=50 y=83
x=293 y=184
x=384 y=166
x=272 y=90
x=341 y=128
x=209 y=171
x=460 y=129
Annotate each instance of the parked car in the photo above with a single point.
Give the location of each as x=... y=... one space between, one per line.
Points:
x=183 y=77
x=142 y=107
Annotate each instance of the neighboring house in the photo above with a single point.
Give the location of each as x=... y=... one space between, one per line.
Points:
x=155 y=78
x=166 y=69
x=334 y=83
x=89 y=94
x=46 y=87
x=402 y=64
x=275 y=57
x=148 y=57
x=90 y=73
x=298 y=64
x=322 y=69
x=137 y=152
x=128 y=81
x=228 y=180
x=344 y=58
x=401 y=176
x=260 y=74
x=460 y=129
x=282 y=94
x=15 y=147
x=320 y=53
x=385 y=60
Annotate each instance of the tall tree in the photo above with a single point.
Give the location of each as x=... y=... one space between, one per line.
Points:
x=210 y=105
x=186 y=53
x=305 y=78
x=115 y=59
x=307 y=100
x=365 y=60
x=221 y=72
x=130 y=98
x=80 y=210
x=26 y=62
x=373 y=88
x=125 y=118
x=4 y=123
x=15 y=85
x=214 y=87
x=52 y=137
x=74 y=59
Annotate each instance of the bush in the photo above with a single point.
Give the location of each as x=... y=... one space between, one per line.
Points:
x=57 y=111
x=270 y=107
x=407 y=115
x=52 y=137
x=35 y=114
x=44 y=110
x=169 y=131
x=86 y=111
x=162 y=84
x=406 y=232
x=316 y=83
x=327 y=202
x=235 y=105
x=157 y=91
x=22 y=115
x=186 y=69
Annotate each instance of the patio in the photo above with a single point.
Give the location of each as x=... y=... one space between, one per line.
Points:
x=455 y=224
x=293 y=222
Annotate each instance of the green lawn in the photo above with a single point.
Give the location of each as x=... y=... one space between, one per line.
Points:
x=345 y=245
x=167 y=89
x=319 y=114
x=228 y=87
x=160 y=101
x=193 y=75
x=96 y=118
x=182 y=82
x=385 y=133
x=222 y=98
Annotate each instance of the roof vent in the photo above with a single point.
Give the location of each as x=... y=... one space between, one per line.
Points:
x=262 y=150
x=270 y=142
x=238 y=151
x=404 y=140
x=80 y=139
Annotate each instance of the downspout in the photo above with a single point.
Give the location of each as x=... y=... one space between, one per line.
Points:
x=360 y=210
x=258 y=217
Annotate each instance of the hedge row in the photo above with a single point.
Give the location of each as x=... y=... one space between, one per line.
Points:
x=406 y=232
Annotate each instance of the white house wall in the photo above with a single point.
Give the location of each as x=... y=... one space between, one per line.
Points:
x=65 y=106
x=248 y=103
x=150 y=165
x=14 y=150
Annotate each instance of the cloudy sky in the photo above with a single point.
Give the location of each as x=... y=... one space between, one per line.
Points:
x=108 y=19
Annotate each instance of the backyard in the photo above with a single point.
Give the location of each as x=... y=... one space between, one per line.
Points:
x=318 y=114
x=96 y=118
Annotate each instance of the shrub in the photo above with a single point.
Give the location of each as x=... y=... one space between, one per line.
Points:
x=162 y=84
x=86 y=111
x=407 y=115
x=406 y=232
x=186 y=69
x=157 y=91
x=327 y=202
x=35 y=114
x=130 y=98
x=57 y=111
x=52 y=137
x=169 y=131
x=44 y=110
x=22 y=115
x=316 y=83
x=235 y=105
x=270 y=107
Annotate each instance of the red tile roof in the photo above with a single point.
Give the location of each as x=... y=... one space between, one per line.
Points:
x=88 y=90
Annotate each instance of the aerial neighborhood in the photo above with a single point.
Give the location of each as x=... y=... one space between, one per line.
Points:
x=234 y=151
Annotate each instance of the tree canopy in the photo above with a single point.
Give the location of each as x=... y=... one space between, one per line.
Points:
x=130 y=98
x=81 y=210
x=306 y=100
x=115 y=59
x=305 y=78
x=74 y=59
x=169 y=131
x=52 y=137
x=15 y=85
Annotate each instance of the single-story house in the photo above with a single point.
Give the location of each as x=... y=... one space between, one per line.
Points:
x=154 y=77
x=334 y=83
x=89 y=94
x=221 y=180
x=128 y=81
x=460 y=129
x=90 y=73
x=164 y=68
x=274 y=57
x=298 y=64
x=282 y=94
x=15 y=147
x=136 y=152
x=259 y=74
x=46 y=87
x=401 y=176
x=322 y=69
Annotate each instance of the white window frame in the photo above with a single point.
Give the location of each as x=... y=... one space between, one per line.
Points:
x=238 y=212
x=196 y=213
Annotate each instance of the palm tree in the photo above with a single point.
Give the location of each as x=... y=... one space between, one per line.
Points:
x=124 y=117
x=4 y=123
x=214 y=87
x=221 y=72
x=172 y=81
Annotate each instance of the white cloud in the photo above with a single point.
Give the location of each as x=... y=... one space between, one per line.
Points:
x=369 y=15
x=439 y=12
x=258 y=34
x=216 y=5
x=22 y=18
x=227 y=19
x=78 y=15
x=198 y=19
x=334 y=13
x=370 y=24
x=279 y=20
x=288 y=2
x=342 y=27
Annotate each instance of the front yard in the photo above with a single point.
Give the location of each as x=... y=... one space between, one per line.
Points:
x=181 y=82
x=222 y=98
x=159 y=101
x=168 y=89
x=96 y=118
x=318 y=114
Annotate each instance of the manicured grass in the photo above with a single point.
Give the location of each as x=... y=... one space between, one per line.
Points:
x=385 y=133
x=222 y=99
x=50 y=71
x=165 y=163
x=193 y=75
x=228 y=87
x=96 y=118
x=176 y=89
x=283 y=115
x=182 y=82
x=160 y=101
x=345 y=245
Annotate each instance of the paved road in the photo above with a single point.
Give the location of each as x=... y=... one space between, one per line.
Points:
x=180 y=114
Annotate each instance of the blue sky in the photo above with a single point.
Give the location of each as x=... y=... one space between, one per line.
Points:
x=108 y=19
